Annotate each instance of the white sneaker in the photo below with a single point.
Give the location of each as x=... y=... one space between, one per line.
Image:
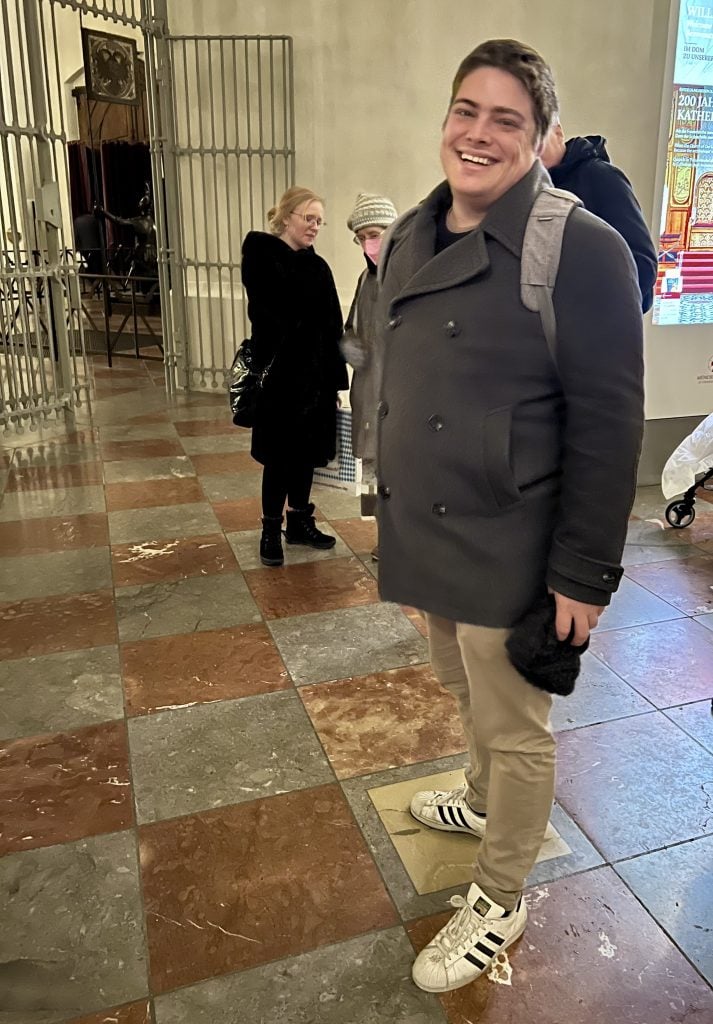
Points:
x=448 y=811
x=466 y=946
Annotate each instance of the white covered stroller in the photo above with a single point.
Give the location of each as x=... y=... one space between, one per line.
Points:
x=689 y=469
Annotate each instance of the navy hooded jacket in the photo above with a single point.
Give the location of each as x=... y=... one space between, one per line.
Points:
x=587 y=171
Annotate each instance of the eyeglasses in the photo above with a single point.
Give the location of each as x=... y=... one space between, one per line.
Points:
x=374 y=234
x=312 y=219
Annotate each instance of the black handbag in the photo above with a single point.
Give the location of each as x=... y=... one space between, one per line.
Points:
x=246 y=382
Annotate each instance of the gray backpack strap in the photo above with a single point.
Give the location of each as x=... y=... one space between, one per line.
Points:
x=541 y=251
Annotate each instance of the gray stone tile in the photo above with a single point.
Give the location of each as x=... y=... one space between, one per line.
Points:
x=60 y=572
x=232 y=486
x=184 y=606
x=649 y=502
x=695 y=719
x=705 y=620
x=656 y=533
x=676 y=887
x=246 y=547
x=367 y=979
x=128 y=470
x=136 y=431
x=348 y=642
x=59 y=501
x=632 y=605
x=229 y=752
x=72 y=939
x=164 y=523
x=411 y=904
x=69 y=690
x=336 y=504
x=641 y=554
x=238 y=442
x=599 y=696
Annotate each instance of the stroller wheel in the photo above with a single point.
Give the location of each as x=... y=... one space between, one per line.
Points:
x=680 y=514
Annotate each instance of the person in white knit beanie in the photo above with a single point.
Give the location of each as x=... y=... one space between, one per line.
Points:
x=371 y=216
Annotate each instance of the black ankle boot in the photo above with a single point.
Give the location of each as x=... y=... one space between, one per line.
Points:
x=301 y=529
x=271 y=541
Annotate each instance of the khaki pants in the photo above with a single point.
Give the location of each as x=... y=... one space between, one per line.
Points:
x=512 y=750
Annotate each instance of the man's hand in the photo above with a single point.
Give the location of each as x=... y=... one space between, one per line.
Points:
x=583 y=617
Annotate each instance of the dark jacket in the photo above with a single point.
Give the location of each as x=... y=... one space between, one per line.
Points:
x=296 y=326
x=587 y=171
x=500 y=473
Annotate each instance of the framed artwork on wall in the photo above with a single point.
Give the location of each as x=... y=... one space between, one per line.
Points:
x=110 y=67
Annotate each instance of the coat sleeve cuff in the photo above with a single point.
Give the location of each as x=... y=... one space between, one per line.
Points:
x=581 y=578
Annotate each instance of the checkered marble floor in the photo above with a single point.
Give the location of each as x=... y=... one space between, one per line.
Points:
x=205 y=765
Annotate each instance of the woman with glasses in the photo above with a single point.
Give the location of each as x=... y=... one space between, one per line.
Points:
x=371 y=216
x=296 y=328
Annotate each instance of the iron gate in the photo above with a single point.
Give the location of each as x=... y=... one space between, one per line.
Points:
x=221 y=127
x=235 y=155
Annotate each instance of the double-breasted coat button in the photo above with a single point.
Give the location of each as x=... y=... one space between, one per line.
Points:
x=435 y=422
x=608 y=577
x=384 y=491
x=383 y=410
x=452 y=328
x=394 y=322
x=438 y=508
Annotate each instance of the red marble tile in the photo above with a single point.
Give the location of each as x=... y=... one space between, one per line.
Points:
x=58 y=533
x=204 y=428
x=135 y=1013
x=113 y=451
x=245 y=514
x=312 y=587
x=669 y=663
x=149 y=417
x=686 y=584
x=153 y=493
x=384 y=720
x=590 y=955
x=417 y=617
x=155 y=560
x=46 y=625
x=42 y=478
x=238 y=515
x=223 y=462
x=220 y=664
x=229 y=889
x=103 y=390
x=54 y=789
x=358 y=534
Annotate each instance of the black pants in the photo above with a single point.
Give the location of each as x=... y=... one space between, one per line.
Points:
x=281 y=482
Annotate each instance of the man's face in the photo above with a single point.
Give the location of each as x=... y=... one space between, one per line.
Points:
x=488 y=142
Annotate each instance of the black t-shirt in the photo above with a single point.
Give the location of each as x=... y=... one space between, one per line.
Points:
x=444 y=237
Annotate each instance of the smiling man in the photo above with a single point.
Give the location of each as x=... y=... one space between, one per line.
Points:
x=505 y=475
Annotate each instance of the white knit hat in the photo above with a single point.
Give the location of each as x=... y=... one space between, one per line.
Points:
x=370 y=210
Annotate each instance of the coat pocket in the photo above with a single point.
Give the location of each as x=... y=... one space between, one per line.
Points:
x=496 y=440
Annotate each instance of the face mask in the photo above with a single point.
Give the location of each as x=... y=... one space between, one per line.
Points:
x=371 y=247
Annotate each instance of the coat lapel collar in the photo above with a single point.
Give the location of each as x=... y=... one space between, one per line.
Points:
x=421 y=272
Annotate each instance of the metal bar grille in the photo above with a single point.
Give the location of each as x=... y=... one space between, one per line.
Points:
x=235 y=153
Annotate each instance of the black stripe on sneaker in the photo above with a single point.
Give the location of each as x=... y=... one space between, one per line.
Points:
x=444 y=817
x=492 y=937
x=463 y=822
x=484 y=949
x=475 y=961
x=454 y=819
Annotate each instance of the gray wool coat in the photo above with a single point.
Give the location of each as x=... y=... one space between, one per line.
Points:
x=360 y=348
x=499 y=472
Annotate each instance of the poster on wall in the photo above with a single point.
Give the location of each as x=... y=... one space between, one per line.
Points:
x=684 y=286
x=110 y=67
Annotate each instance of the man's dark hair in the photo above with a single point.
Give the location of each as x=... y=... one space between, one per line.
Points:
x=523 y=63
